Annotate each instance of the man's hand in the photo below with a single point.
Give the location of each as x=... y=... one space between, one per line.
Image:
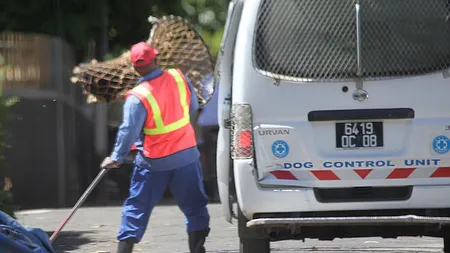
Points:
x=109 y=163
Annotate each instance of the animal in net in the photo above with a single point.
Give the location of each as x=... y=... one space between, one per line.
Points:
x=180 y=46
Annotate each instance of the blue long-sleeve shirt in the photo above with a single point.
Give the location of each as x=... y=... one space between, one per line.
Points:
x=131 y=132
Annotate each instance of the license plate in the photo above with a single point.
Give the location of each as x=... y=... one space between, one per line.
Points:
x=359 y=135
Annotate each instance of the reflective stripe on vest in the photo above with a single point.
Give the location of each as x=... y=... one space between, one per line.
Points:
x=160 y=127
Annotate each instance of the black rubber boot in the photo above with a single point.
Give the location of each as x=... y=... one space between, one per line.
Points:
x=126 y=246
x=197 y=240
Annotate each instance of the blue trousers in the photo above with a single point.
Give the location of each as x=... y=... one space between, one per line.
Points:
x=147 y=188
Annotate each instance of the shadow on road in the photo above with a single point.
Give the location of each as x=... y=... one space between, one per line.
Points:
x=70 y=241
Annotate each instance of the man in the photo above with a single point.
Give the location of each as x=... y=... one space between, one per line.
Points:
x=156 y=119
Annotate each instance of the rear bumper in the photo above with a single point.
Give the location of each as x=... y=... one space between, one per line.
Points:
x=354 y=221
x=254 y=199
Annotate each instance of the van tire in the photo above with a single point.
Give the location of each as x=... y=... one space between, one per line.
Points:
x=447 y=244
x=251 y=240
x=254 y=246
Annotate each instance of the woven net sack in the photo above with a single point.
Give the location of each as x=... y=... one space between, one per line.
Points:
x=179 y=45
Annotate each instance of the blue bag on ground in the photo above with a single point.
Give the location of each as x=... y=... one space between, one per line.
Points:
x=14 y=238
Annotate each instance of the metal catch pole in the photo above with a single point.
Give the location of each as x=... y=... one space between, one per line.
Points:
x=79 y=203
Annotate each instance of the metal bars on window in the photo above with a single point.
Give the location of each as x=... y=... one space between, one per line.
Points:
x=318 y=40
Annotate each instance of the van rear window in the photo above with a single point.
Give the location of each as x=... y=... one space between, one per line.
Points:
x=317 y=39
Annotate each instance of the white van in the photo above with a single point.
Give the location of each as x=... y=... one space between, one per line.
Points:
x=335 y=119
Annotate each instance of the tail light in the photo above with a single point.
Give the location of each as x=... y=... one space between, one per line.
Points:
x=242 y=131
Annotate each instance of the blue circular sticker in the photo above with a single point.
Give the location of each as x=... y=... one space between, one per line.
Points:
x=280 y=149
x=441 y=144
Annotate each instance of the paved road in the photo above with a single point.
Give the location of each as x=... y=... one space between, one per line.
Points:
x=92 y=230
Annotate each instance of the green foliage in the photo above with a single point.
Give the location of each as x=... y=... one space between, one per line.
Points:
x=79 y=22
x=212 y=39
x=6 y=199
x=209 y=17
x=6 y=202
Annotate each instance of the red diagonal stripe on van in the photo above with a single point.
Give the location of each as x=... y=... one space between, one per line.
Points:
x=283 y=175
x=325 y=175
x=401 y=173
x=441 y=172
x=363 y=173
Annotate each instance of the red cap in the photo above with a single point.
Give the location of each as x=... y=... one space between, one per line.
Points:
x=142 y=54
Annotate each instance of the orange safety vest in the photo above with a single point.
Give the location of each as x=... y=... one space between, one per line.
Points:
x=167 y=128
